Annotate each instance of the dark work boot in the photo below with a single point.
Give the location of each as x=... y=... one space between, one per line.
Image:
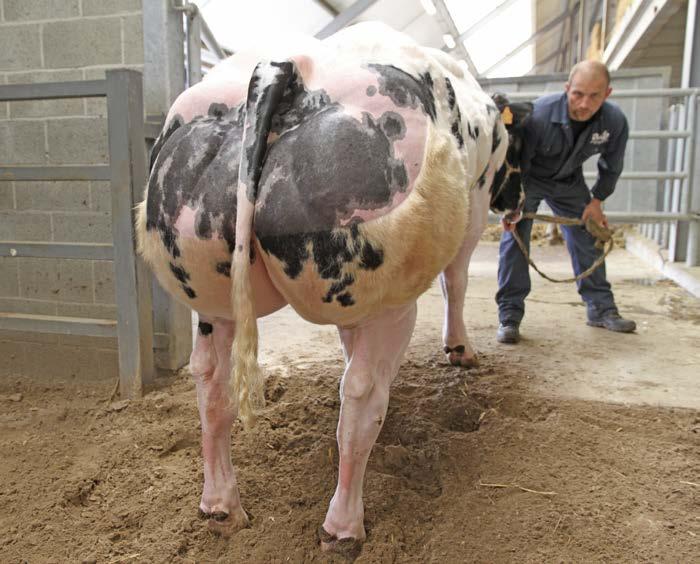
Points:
x=508 y=332
x=613 y=322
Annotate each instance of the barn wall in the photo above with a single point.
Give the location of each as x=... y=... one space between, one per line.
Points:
x=45 y=41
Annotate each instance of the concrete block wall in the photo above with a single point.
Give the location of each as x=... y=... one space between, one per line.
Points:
x=46 y=41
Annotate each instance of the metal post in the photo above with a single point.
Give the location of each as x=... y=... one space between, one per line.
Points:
x=127 y=157
x=673 y=125
x=194 y=48
x=581 y=30
x=692 y=257
x=572 y=36
x=604 y=26
x=688 y=243
x=681 y=111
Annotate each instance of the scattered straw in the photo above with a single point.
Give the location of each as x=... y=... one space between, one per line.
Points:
x=515 y=486
x=690 y=483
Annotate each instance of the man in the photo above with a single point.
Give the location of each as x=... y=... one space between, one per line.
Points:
x=564 y=131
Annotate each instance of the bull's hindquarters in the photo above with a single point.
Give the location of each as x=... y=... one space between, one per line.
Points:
x=352 y=273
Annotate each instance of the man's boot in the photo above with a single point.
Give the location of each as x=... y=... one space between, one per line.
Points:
x=613 y=322
x=508 y=332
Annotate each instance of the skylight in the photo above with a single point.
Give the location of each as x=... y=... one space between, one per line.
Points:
x=238 y=24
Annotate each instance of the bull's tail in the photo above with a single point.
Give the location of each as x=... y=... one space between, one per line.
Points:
x=265 y=91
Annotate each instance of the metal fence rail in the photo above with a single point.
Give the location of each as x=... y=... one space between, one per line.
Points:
x=201 y=47
x=127 y=173
x=680 y=230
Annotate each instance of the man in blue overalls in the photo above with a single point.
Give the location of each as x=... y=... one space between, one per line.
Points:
x=564 y=131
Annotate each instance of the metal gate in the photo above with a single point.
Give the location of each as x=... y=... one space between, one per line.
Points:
x=127 y=173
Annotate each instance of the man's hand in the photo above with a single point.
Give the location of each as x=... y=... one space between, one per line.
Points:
x=509 y=220
x=507 y=225
x=594 y=211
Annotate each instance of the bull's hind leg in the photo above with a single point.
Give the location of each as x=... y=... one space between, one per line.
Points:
x=373 y=353
x=210 y=365
x=453 y=282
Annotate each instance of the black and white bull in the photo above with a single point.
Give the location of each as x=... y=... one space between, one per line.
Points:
x=341 y=178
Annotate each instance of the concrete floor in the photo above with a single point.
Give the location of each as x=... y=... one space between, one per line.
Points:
x=657 y=365
x=562 y=356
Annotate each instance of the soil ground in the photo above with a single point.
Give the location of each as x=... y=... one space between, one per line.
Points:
x=577 y=445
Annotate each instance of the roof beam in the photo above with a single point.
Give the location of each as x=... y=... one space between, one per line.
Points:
x=332 y=10
x=642 y=19
x=446 y=22
x=551 y=24
x=345 y=17
x=559 y=63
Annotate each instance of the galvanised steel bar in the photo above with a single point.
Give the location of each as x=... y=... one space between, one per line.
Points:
x=671 y=164
x=643 y=175
x=641 y=93
x=693 y=245
x=53 y=90
x=681 y=110
x=659 y=134
x=631 y=217
x=89 y=251
x=61 y=325
x=661 y=229
x=72 y=172
x=194 y=48
x=127 y=153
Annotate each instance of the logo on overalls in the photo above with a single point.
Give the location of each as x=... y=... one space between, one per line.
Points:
x=600 y=138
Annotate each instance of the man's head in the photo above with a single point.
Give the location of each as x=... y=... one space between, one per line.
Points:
x=587 y=88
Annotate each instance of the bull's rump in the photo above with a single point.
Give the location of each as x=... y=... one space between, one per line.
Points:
x=347 y=272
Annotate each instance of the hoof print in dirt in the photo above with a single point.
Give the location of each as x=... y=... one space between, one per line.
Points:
x=274 y=389
x=79 y=494
x=461 y=418
x=418 y=468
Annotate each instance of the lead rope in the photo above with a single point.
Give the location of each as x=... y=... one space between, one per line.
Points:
x=603 y=237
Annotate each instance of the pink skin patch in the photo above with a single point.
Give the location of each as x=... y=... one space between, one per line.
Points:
x=197 y=100
x=349 y=86
x=185 y=222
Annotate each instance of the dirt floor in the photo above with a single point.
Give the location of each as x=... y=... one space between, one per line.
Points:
x=577 y=445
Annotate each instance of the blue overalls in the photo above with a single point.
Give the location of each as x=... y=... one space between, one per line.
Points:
x=552 y=171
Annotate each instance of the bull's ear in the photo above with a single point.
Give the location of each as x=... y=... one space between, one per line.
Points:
x=501 y=101
x=520 y=112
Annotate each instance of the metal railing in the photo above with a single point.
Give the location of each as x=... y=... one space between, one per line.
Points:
x=198 y=35
x=678 y=190
x=127 y=174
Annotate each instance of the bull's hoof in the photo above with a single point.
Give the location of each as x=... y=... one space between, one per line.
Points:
x=457 y=356
x=225 y=524
x=348 y=547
